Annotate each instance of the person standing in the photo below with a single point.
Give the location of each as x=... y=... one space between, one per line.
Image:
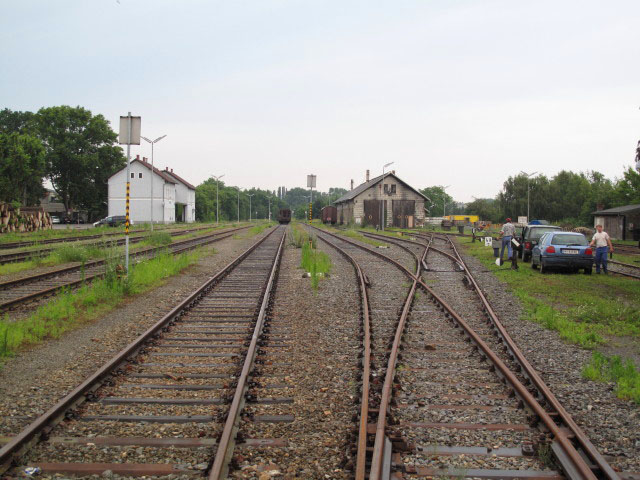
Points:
x=506 y=234
x=603 y=245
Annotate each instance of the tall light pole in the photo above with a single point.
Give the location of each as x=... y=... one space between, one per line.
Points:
x=382 y=219
x=269 y=197
x=152 y=142
x=217 y=203
x=250 y=195
x=444 y=200
x=528 y=175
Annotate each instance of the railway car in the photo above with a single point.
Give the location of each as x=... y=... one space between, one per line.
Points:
x=329 y=214
x=284 y=215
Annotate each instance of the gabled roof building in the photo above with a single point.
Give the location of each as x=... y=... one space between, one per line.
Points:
x=386 y=199
x=173 y=197
x=621 y=223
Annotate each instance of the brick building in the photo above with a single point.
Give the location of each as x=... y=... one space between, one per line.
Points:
x=403 y=205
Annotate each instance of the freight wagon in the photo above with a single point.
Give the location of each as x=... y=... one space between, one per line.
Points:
x=329 y=214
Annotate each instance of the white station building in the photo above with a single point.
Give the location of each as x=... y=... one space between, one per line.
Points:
x=174 y=199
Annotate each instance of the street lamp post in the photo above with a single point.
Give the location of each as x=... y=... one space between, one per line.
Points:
x=269 y=197
x=528 y=175
x=444 y=200
x=238 y=204
x=382 y=219
x=217 y=203
x=151 y=176
x=250 y=195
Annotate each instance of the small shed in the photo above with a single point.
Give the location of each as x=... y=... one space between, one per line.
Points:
x=621 y=223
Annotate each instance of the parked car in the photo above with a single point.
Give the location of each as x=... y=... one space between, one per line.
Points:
x=563 y=249
x=112 y=221
x=55 y=219
x=530 y=237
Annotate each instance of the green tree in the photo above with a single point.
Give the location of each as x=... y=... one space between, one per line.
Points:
x=627 y=189
x=22 y=167
x=485 y=208
x=438 y=197
x=81 y=154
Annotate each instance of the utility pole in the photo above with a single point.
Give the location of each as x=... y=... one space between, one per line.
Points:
x=238 y=204
x=528 y=175
x=129 y=135
x=217 y=203
x=250 y=195
x=152 y=172
x=311 y=182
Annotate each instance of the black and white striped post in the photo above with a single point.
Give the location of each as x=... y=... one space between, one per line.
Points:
x=129 y=135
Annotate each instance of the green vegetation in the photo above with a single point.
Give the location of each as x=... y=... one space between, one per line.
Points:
x=613 y=369
x=583 y=309
x=158 y=239
x=313 y=261
x=72 y=308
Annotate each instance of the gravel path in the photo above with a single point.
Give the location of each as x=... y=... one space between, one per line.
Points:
x=36 y=378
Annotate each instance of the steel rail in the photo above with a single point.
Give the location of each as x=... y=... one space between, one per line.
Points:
x=578 y=467
x=44 y=423
x=381 y=440
x=226 y=443
x=587 y=447
x=363 y=282
x=183 y=246
x=17 y=257
x=79 y=238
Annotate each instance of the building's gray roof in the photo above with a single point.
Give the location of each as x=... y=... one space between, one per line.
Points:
x=374 y=181
x=618 y=210
x=179 y=178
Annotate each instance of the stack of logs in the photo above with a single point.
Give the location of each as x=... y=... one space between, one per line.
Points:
x=23 y=219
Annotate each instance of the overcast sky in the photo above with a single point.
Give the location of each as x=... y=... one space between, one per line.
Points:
x=460 y=93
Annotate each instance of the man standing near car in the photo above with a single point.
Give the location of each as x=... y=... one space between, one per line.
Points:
x=603 y=245
x=506 y=234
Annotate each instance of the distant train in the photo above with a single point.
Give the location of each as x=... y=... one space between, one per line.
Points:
x=329 y=214
x=284 y=215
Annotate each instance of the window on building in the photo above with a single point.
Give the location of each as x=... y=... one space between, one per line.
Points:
x=140 y=175
x=133 y=175
x=390 y=188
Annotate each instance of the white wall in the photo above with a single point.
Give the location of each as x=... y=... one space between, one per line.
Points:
x=187 y=197
x=140 y=200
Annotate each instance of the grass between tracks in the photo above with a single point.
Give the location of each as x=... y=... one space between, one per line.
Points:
x=313 y=261
x=72 y=308
x=583 y=309
x=613 y=369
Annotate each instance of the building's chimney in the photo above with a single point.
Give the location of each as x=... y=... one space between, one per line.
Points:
x=172 y=170
x=352 y=184
x=367 y=175
x=137 y=157
x=393 y=172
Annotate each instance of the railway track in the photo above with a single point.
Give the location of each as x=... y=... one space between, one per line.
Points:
x=21 y=291
x=170 y=402
x=15 y=257
x=619 y=268
x=75 y=238
x=497 y=391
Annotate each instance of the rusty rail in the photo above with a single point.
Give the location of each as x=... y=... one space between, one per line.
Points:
x=573 y=463
x=584 y=443
x=363 y=282
x=183 y=246
x=43 y=424
x=226 y=444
